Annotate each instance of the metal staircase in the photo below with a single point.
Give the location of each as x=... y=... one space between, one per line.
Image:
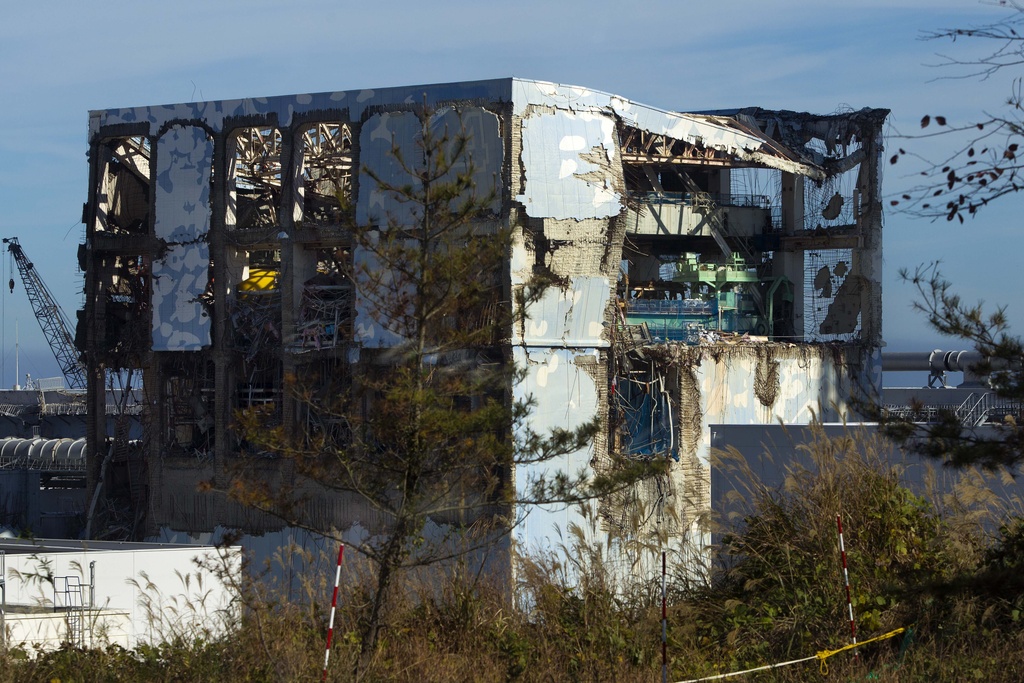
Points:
x=68 y=596
x=974 y=411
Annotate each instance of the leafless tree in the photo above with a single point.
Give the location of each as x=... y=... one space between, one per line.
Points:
x=984 y=164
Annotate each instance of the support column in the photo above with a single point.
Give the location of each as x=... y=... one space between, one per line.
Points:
x=291 y=291
x=791 y=263
x=94 y=319
x=868 y=259
x=222 y=210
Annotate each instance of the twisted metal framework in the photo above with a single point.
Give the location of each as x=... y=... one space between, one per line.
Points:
x=54 y=323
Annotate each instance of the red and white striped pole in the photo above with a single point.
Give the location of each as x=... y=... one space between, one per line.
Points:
x=846 y=580
x=334 y=605
x=664 y=623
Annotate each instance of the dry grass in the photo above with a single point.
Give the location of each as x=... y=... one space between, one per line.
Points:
x=935 y=562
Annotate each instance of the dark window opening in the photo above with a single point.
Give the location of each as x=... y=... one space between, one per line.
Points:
x=326 y=192
x=123 y=195
x=189 y=401
x=255 y=315
x=326 y=309
x=256 y=179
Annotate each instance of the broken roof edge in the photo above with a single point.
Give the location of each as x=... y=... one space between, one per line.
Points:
x=361 y=94
x=881 y=113
x=215 y=112
x=793 y=129
x=744 y=142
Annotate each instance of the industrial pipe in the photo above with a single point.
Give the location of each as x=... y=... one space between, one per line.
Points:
x=930 y=361
x=936 y=363
x=39 y=453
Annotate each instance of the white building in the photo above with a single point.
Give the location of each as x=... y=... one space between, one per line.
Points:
x=97 y=593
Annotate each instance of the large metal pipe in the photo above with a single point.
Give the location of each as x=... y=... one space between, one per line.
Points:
x=930 y=361
x=939 y=362
x=64 y=454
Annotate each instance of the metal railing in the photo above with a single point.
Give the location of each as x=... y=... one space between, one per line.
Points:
x=756 y=201
x=979 y=408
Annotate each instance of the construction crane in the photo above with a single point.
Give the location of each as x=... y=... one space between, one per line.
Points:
x=50 y=315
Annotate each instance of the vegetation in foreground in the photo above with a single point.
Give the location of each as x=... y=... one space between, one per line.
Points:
x=948 y=565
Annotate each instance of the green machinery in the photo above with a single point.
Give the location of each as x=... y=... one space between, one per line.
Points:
x=727 y=297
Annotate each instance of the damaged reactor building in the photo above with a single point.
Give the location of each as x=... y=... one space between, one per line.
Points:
x=712 y=268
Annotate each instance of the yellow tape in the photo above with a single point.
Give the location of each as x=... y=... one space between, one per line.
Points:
x=750 y=671
x=821 y=656
x=825 y=654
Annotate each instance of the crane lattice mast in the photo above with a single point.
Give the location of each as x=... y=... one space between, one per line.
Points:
x=51 y=317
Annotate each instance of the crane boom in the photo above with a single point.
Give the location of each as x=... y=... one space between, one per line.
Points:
x=51 y=317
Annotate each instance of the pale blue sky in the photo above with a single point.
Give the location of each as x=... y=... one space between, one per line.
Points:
x=60 y=59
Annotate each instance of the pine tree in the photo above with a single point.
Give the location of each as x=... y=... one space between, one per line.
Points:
x=431 y=431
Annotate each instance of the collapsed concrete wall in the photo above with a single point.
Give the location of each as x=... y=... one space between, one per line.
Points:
x=742 y=383
x=660 y=269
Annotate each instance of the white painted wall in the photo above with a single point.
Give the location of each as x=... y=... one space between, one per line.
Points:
x=149 y=593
